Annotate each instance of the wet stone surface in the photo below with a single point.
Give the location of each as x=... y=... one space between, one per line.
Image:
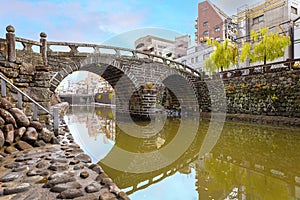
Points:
x=53 y=171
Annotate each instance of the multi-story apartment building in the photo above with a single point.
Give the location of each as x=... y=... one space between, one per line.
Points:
x=278 y=15
x=209 y=23
x=163 y=47
x=269 y=13
x=275 y=14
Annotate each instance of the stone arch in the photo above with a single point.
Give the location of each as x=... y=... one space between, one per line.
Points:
x=125 y=73
x=104 y=65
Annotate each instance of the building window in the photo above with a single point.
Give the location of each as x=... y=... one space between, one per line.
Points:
x=204 y=8
x=294 y=10
x=217 y=29
x=196 y=59
x=192 y=60
x=258 y=19
x=205 y=33
x=205 y=23
x=139 y=45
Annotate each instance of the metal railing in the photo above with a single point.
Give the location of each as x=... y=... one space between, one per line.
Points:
x=261 y=69
x=36 y=105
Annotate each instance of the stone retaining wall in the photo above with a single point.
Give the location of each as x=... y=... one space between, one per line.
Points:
x=34 y=80
x=271 y=94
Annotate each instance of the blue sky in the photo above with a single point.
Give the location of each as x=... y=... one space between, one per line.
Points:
x=96 y=21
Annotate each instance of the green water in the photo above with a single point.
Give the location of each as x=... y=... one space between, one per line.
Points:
x=171 y=159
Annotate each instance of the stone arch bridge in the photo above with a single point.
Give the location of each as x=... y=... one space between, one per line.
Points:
x=140 y=79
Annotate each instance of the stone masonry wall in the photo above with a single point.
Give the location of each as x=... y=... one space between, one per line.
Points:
x=31 y=79
x=274 y=94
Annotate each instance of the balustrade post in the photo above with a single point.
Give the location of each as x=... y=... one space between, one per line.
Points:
x=3 y=88
x=55 y=120
x=43 y=49
x=11 y=43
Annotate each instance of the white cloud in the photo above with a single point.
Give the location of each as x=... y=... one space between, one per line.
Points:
x=73 y=20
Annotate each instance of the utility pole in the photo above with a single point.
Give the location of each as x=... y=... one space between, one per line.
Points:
x=291 y=48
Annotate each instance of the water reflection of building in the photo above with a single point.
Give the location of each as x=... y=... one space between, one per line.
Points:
x=92 y=84
x=96 y=120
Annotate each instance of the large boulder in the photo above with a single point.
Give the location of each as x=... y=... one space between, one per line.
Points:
x=20 y=117
x=19 y=133
x=2 y=121
x=9 y=133
x=30 y=135
x=9 y=119
x=46 y=135
x=2 y=139
x=5 y=104
x=37 y=125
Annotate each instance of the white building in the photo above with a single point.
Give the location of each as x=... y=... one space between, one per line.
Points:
x=196 y=56
x=163 y=47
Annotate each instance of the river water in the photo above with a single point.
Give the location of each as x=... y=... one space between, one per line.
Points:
x=230 y=160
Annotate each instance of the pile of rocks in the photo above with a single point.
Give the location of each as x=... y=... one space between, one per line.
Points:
x=36 y=164
x=17 y=132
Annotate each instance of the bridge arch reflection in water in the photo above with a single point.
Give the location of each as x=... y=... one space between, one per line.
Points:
x=246 y=161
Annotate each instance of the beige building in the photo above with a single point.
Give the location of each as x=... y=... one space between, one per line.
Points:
x=163 y=47
x=269 y=13
x=275 y=14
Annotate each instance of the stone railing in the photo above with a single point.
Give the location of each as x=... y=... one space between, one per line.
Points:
x=11 y=40
x=9 y=47
x=45 y=48
x=118 y=52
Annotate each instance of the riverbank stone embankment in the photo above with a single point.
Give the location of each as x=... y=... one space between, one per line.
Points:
x=37 y=164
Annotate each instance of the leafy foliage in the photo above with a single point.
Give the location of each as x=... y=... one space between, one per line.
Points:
x=266 y=46
x=224 y=55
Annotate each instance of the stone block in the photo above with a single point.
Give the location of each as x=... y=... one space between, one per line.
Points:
x=46 y=135
x=5 y=104
x=43 y=68
x=21 y=85
x=8 y=131
x=2 y=138
x=19 y=133
x=43 y=84
x=42 y=76
x=27 y=69
x=20 y=117
x=30 y=135
x=21 y=145
x=38 y=94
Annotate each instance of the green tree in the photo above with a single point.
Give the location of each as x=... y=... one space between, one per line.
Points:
x=265 y=46
x=224 y=55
